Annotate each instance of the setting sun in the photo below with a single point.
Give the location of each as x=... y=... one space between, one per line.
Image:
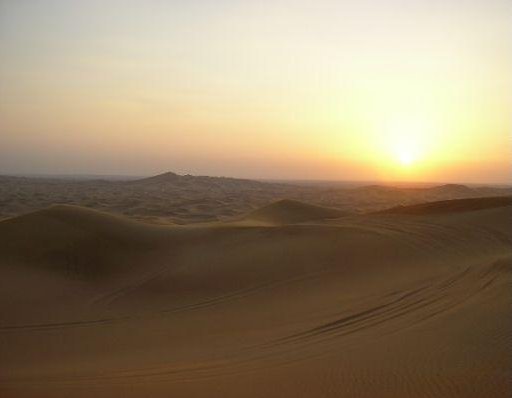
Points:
x=406 y=158
x=407 y=149
x=409 y=139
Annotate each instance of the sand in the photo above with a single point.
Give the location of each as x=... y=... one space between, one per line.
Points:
x=288 y=211
x=186 y=199
x=292 y=300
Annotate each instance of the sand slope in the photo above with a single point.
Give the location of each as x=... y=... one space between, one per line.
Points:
x=376 y=305
x=288 y=211
x=451 y=206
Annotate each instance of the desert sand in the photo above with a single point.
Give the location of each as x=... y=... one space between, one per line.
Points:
x=291 y=300
x=186 y=199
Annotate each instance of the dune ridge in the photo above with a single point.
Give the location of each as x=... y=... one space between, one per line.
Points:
x=450 y=206
x=287 y=211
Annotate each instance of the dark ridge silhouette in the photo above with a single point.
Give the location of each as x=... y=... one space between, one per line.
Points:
x=449 y=206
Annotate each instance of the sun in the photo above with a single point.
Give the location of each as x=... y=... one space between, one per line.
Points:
x=406 y=150
x=407 y=140
x=405 y=158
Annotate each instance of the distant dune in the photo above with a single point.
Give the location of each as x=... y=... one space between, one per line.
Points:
x=298 y=301
x=186 y=199
x=292 y=212
x=451 y=206
x=454 y=189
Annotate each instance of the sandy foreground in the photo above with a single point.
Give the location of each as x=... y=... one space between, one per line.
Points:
x=293 y=300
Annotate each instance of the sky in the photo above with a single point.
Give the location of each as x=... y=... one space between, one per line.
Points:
x=396 y=90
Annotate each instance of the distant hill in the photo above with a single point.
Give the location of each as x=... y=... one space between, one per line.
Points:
x=168 y=177
x=171 y=179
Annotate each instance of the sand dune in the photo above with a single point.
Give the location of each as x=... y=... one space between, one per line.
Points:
x=451 y=206
x=183 y=199
x=73 y=239
x=407 y=303
x=288 y=211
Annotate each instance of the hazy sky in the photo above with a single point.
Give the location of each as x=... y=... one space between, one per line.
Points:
x=355 y=90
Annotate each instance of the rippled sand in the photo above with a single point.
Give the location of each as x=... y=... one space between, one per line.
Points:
x=291 y=301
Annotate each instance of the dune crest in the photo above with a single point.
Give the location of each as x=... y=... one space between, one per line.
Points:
x=287 y=211
x=75 y=241
x=451 y=206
